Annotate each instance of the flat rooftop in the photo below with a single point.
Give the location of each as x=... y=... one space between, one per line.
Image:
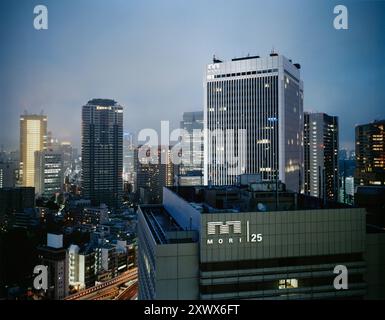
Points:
x=163 y=226
x=222 y=199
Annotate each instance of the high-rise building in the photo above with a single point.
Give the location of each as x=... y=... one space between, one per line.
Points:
x=102 y=152
x=191 y=168
x=370 y=154
x=321 y=155
x=230 y=242
x=49 y=175
x=33 y=135
x=55 y=257
x=153 y=175
x=129 y=170
x=261 y=99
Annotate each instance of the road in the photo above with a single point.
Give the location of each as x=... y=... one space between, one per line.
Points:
x=107 y=289
x=129 y=293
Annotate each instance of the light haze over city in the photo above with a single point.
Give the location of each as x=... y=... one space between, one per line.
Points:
x=150 y=56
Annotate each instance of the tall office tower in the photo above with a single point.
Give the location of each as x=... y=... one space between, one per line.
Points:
x=370 y=154
x=55 y=257
x=153 y=175
x=129 y=170
x=261 y=100
x=191 y=168
x=33 y=135
x=102 y=152
x=321 y=155
x=49 y=178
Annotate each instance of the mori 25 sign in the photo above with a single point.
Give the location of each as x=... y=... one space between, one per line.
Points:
x=230 y=232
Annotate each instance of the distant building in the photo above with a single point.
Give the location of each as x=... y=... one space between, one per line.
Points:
x=129 y=168
x=81 y=267
x=111 y=258
x=13 y=200
x=346 y=171
x=33 y=137
x=370 y=154
x=152 y=175
x=102 y=152
x=191 y=169
x=8 y=174
x=68 y=155
x=49 y=173
x=54 y=256
x=96 y=215
x=321 y=155
x=347 y=189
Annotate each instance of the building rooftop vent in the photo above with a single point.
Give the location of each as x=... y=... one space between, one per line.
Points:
x=245 y=58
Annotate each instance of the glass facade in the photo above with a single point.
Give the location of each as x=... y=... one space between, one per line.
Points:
x=264 y=101
x=102 y=152
x=33 y=134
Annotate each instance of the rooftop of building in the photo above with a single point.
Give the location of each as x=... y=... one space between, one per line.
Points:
x=249 y=57
x=163 y=226
x=102 y=102
x=371 y=190
x=253 y=197
x=374 y=122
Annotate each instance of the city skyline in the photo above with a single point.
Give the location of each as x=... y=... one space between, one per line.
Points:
x=152 y=74
x=201 y=150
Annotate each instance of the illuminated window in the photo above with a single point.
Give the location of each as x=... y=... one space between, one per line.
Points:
x=288 y=284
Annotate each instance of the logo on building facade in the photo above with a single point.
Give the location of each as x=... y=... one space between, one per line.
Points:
x=234 y=230
x=224 y=227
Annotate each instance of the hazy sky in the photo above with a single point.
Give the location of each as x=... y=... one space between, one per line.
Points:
x=150 y=57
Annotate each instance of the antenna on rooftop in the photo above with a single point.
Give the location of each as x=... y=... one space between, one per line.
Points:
x=216 y=60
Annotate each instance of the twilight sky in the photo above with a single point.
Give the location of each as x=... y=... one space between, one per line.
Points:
x=150 y=56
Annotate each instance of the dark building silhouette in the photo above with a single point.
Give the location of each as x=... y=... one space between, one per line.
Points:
x=370 y=154
x=102 y=152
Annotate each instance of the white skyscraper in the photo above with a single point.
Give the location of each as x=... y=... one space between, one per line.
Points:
x=264 y=97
